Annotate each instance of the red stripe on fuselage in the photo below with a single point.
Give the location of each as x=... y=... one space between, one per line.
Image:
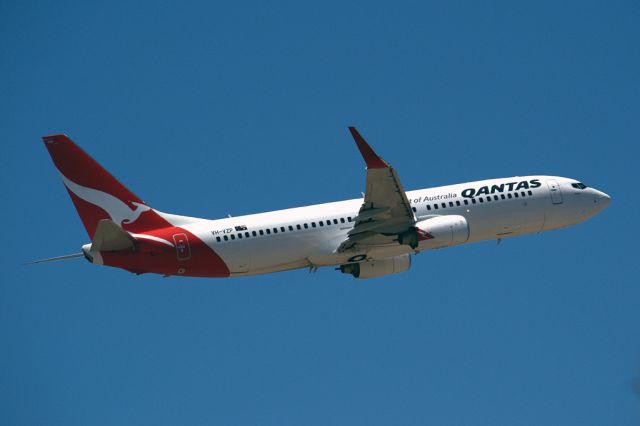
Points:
x=159 y=258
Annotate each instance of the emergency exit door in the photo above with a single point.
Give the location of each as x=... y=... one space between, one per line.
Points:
x=554 y=190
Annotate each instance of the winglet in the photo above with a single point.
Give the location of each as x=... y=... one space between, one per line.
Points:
x=369 y=155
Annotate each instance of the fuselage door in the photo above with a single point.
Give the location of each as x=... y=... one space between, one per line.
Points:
x=183 y=250
x=554 y=189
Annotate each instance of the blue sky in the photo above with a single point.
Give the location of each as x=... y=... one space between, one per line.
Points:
x=209 y=109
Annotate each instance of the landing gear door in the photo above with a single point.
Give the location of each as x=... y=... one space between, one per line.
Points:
x=554 y=190
x=183 y=250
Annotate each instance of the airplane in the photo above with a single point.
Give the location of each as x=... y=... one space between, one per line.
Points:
x=368 y=237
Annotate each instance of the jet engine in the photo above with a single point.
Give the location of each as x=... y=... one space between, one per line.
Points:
x=441 y=231
x=377 y=268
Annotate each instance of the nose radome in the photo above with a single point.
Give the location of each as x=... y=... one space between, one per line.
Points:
x=602 y=199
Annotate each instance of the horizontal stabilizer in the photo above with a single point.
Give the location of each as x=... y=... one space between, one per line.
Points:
x=110 y=237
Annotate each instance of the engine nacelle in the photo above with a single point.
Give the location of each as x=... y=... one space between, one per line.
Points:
x=377 y=268
x=442 y=231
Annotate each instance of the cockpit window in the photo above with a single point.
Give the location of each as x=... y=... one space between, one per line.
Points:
x=579 y=185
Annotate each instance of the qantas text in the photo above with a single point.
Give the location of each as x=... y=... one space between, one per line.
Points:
x=511 y=186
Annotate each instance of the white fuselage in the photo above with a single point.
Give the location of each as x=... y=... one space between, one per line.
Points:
x=309 y=236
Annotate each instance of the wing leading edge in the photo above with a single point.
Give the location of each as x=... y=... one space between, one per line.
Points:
x=385 y=216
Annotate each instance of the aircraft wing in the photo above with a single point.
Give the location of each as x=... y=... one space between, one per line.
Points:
x=386 y=212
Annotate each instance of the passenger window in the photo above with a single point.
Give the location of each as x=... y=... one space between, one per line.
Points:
x=261 y=232
x=473 y=200
x=428 y=206
x=515 y=194
x=240 y=235
x=218 y=239
x=342 y=220
x=458 y=203
x=414 y=209
x=509 y=195
x=335 y=221
x=450 y=203
x=226 y=238
x=321 y=223
x=435 y=206
x=480 y=199
x=282 y=228
x=488 y=199
x=444 y=205
x=254 y=233
x=495 y=197
x=530 y=194
x=466 y=202
x=275 y=230
x=233 y=237
x=524 y=194
x=349 y=219
x=503 y=197
x=298 y=227
x=313 y=224
x=246 y=234
x=268 y=231
x=306 y=226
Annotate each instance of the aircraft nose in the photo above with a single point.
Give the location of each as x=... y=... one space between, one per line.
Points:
x=601 y=199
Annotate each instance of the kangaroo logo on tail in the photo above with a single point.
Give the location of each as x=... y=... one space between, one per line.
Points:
x=118 y=210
